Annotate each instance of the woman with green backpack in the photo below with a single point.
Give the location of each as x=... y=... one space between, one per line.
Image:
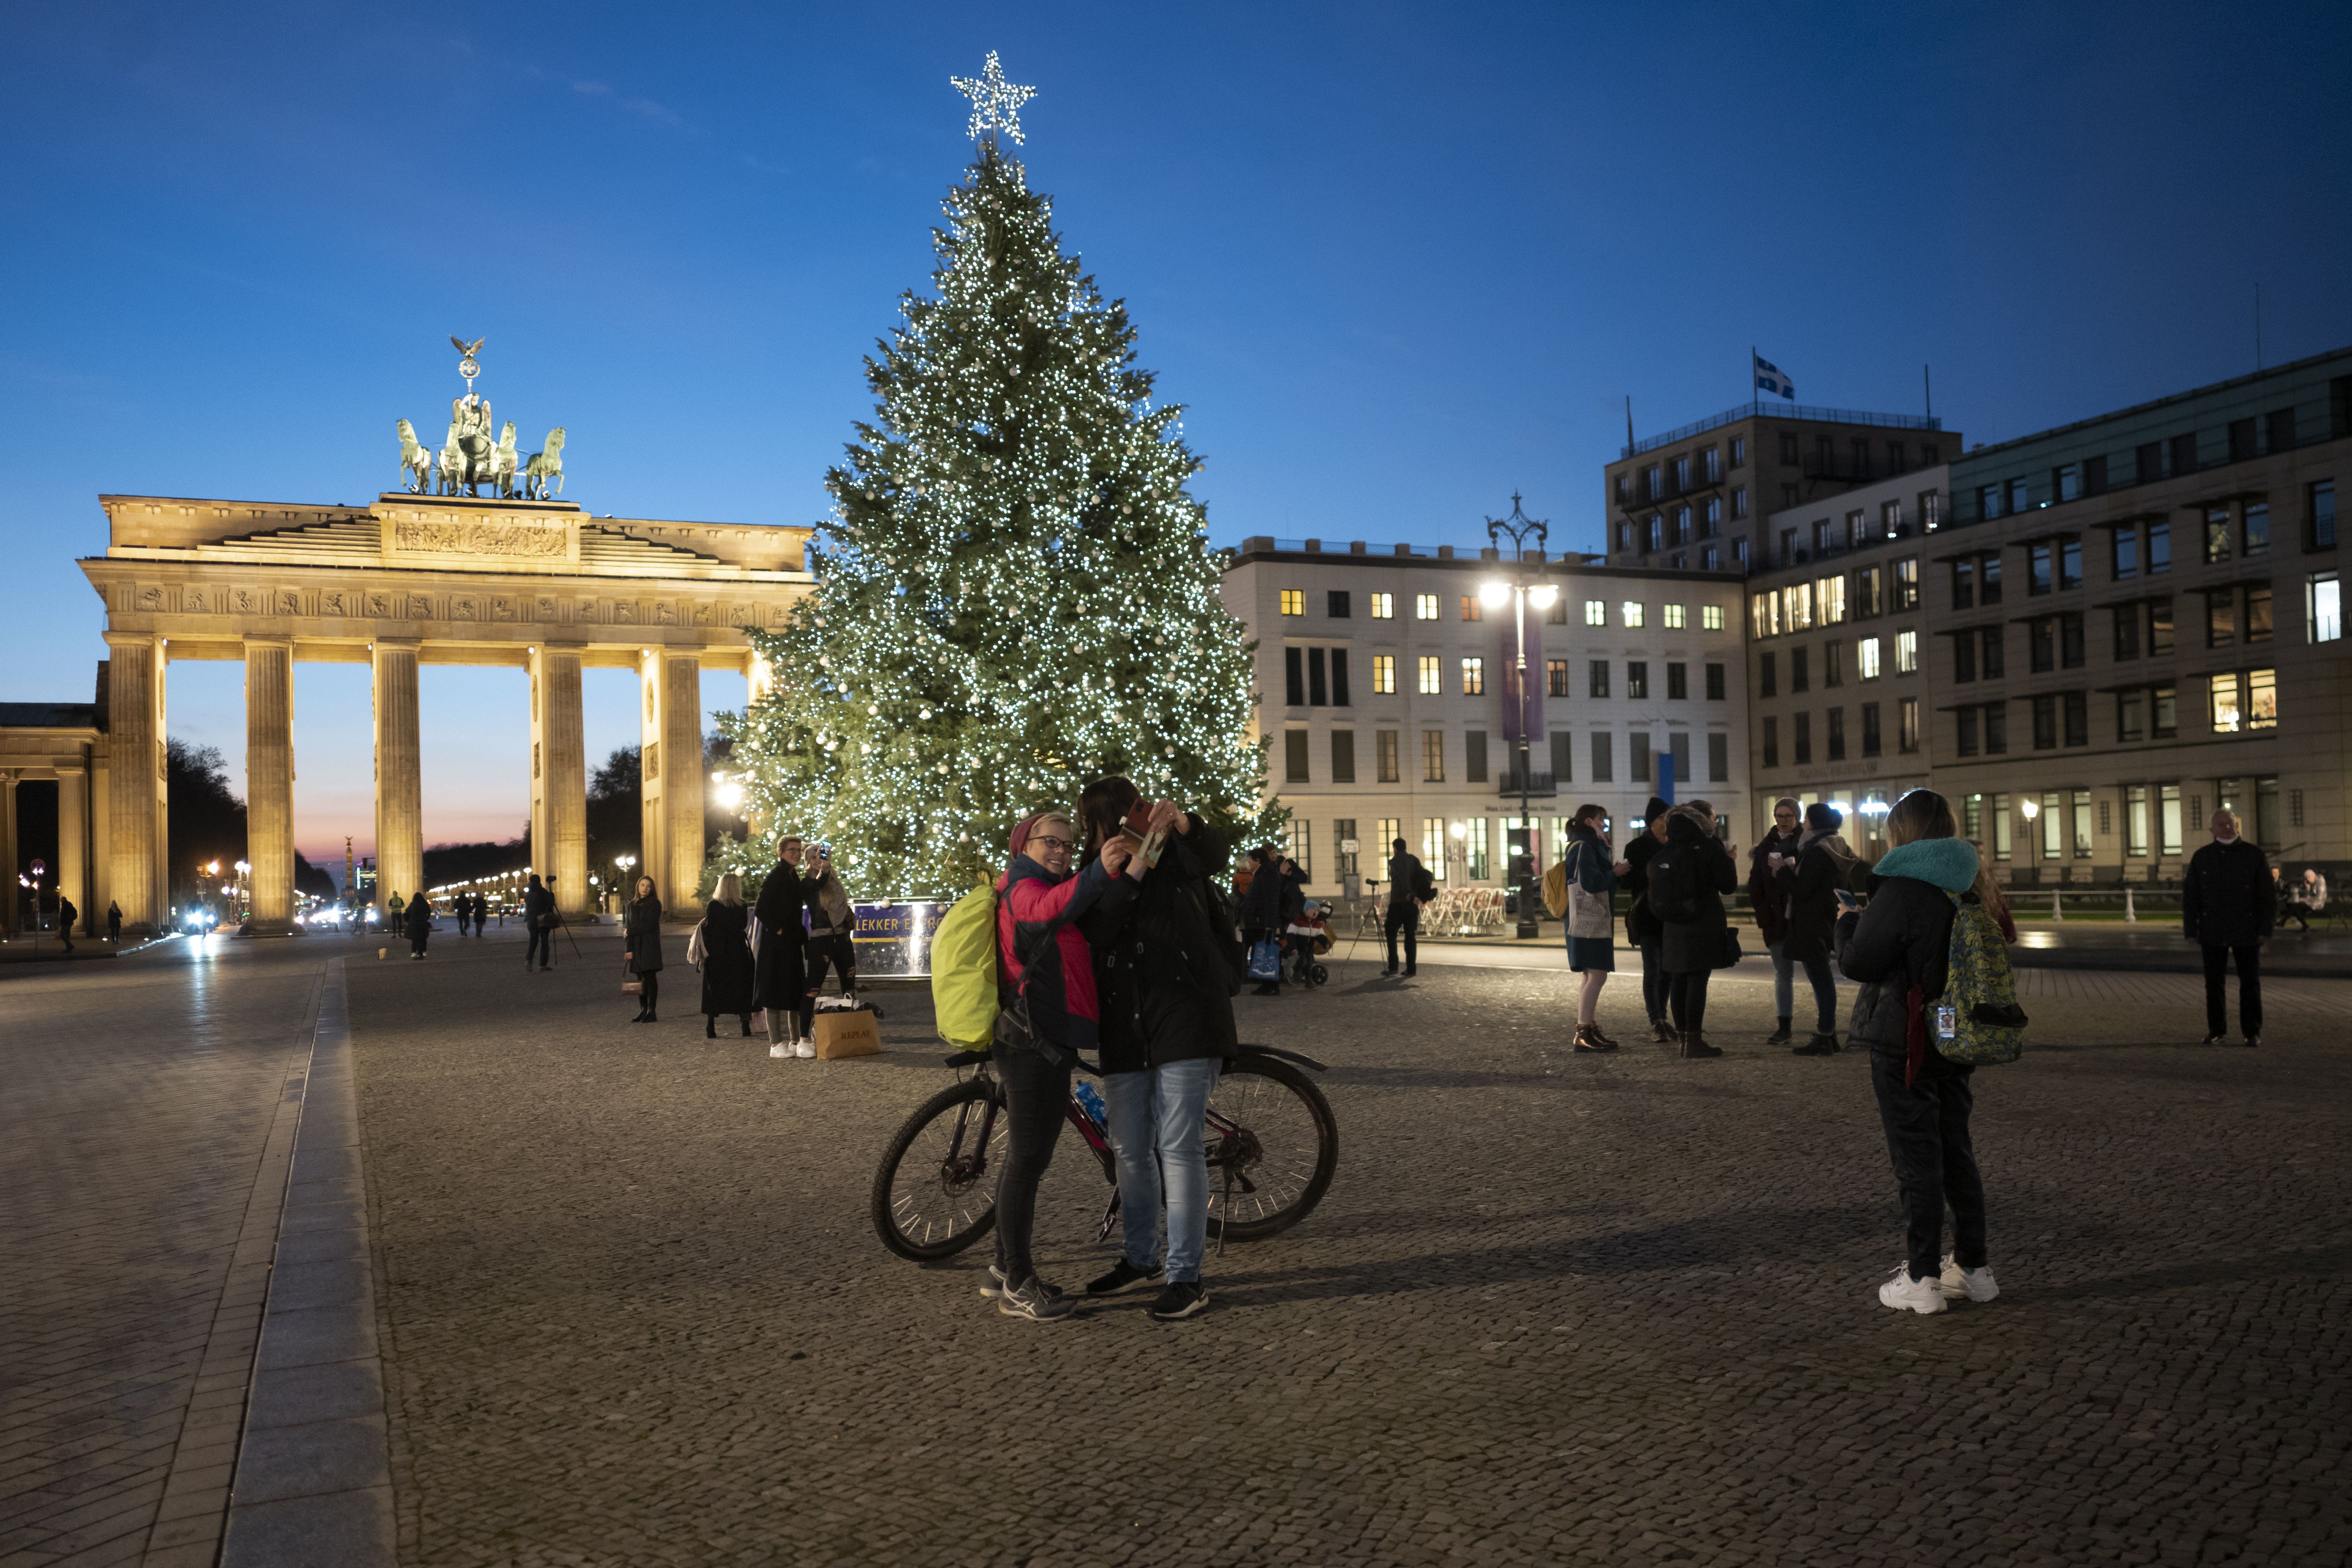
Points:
x=1898 y=949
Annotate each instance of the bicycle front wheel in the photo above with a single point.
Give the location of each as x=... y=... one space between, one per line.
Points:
x=935 y=1194
x=1271 y=1129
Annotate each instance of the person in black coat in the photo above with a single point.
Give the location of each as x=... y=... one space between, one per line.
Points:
x=1164 y=985
x=113 y=921
x=726 y=973
x=780 y=978
x=1810 y=881
x=2228 y=906
x=1688 y=878
x=1406 y=874
x=538 y=919
x=417 y=921
x=1641 y=927
x=67 y=915
x=1261 y=908
x=642 y=939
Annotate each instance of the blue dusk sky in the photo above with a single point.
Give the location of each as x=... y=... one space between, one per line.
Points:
x=1397 y=260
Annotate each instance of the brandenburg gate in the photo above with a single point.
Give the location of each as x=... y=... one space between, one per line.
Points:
x=418 y=578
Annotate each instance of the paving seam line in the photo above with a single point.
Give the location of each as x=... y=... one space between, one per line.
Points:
x=194 y=1510
x=313 y=1476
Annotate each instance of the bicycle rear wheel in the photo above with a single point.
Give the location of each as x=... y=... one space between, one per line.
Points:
x=935 y=1194
x=1270 y=1126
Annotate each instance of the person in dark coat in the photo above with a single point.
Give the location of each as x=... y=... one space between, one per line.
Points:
x=642 y=943
x=1405 y=876
x=1690 y=874
x=1901 y=940
x=1261 y=908
x=1770 y=901
x=727 y=972
x=2228 y=907
x=1811 y=882
x=538 y=919
x=113 y=921
x=1642 y=926
x=417 y=920
x=1297 y=951
x=780 y=979
x=1163 y=987
x=831 y=935
x=67 y=915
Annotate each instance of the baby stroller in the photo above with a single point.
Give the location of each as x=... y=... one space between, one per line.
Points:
x=1307 y=939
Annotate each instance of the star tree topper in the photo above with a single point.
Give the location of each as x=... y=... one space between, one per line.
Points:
x=995 y=102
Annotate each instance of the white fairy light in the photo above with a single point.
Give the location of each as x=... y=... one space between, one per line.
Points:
x=995 y=102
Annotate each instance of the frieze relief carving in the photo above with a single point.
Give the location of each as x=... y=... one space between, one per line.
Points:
x=289 y=601
x=703 y=614
x=738 y=616
x=461 y=608
x=333 y=602
x=192 y=600
x=624 y=612
x=151 y=598
x=420 y=608
x=585 y=611
x=379 y=605
x=665 y=613
x=545 y=609
x=502 y=609
x=487 y=537
x=245 y=601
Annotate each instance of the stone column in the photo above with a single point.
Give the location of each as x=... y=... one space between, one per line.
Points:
x=73 y=838
x=269 y=781
x=653 y=821
x=101 y=866
x=12 y=897
x=559 y=778
x=138 y=824
x=682 y=783
x=399 y=788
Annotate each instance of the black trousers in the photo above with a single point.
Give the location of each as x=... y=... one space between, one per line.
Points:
x=842 y=952
x=2250 y=989
x=1817 y=972
x=1405 y=918
x=1926 y=1127
x=1035 y=1090
x=1656 y=980
x=1687 y=999
x=651 y=980
x=543 y=945
x=416 y=944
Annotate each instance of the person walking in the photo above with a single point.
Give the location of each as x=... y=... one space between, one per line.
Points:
x=418 y=922
x=779 y=977
x=1769 y=900
x=1641 y=927
x=114 y=922
x=1895 y=949
x=539 y=920
x=1261 y=911
x=1408 y=893
x=1812 y=880
x=1591 y=923
x=727 y=971
x=2227 y=908
x=641 y=937
x=1163 y=989
x=67 y=915
x=1049 y=968
x=832 y=933
x=1688 y=878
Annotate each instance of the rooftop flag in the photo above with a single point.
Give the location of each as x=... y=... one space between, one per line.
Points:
x=1768 y=377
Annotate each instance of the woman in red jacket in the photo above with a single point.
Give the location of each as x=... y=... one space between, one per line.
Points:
x=1045 y=961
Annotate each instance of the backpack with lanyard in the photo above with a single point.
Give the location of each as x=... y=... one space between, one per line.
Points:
x=1975 y=1020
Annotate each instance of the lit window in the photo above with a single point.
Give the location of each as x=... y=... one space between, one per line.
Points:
x=1424 y=606
x=1631 y=612
x=2261 y=699
x=2322 y=608
x=1294 y=601
x=1473 y=677
x=1764 y=612
x=1797 y=606
x=1433 y=682
x=1866 y=658
x=1906 y=653
x=1596 y=612
x=1433 y=756
x=1383 y=606
x=1675 y=618
x=1384 y=674
x=1472 y=610
x=2227 y=715
x=1710 y=617
x=1828 y=596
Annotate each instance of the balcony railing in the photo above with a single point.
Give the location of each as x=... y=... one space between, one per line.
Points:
x=1537 y=784
x=1763 y=409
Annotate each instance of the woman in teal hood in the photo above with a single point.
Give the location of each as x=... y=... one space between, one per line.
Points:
x=1894 y=948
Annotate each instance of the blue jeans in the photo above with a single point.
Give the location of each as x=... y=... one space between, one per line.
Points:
x=1784 y=988
x=1157 y=1121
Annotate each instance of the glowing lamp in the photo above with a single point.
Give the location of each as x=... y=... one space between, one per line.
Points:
x=1495 y=596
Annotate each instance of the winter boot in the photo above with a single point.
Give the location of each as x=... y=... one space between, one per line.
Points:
x=1695 y=1044
x=1782 y=1035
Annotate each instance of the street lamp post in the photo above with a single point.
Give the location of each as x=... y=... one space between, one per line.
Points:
x=1522 y=588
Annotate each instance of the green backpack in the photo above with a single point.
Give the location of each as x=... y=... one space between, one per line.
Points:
x=964 y=971
x=1977 y=1020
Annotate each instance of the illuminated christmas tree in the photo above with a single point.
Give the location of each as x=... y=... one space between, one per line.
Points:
x=1014 y=594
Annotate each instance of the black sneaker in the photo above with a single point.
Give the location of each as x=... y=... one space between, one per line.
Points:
x=1819 y=1046
x=2215 y=1040
x=1182 y=1299
x=994 y=1285
x=2254 y=1040
x=1780 y=1036
x=1036 y=1301
x=1122 y=1275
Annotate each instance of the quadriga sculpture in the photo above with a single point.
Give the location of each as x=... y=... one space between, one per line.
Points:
x=545 y=466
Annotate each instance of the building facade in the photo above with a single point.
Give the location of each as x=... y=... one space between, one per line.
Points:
x=1700 y=498
x=1386 y=688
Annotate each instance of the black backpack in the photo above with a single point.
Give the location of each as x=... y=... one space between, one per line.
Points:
x=1673 y=877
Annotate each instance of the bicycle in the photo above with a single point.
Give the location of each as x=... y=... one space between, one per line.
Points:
x=1270 y=1133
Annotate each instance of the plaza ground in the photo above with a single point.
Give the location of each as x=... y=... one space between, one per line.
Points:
x=629 y=1309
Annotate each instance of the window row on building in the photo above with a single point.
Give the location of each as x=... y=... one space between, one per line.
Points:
x=1318 y=677
x=2234 y=702
x=1483 y=758
x=1874 y=658
x=1632 y=614
x=1868 y=737
x=2157 y=819
x=1865 y=594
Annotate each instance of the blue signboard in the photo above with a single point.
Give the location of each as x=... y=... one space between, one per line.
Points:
x=893 y=941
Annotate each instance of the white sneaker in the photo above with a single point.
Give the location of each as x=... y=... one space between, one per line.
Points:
x=1976 y=1284
x=780 y=1050
x=804 y=1049
x=1901 y=1291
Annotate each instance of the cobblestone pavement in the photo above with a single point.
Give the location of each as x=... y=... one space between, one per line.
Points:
x=1555 y=1309
x=138 y=1211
